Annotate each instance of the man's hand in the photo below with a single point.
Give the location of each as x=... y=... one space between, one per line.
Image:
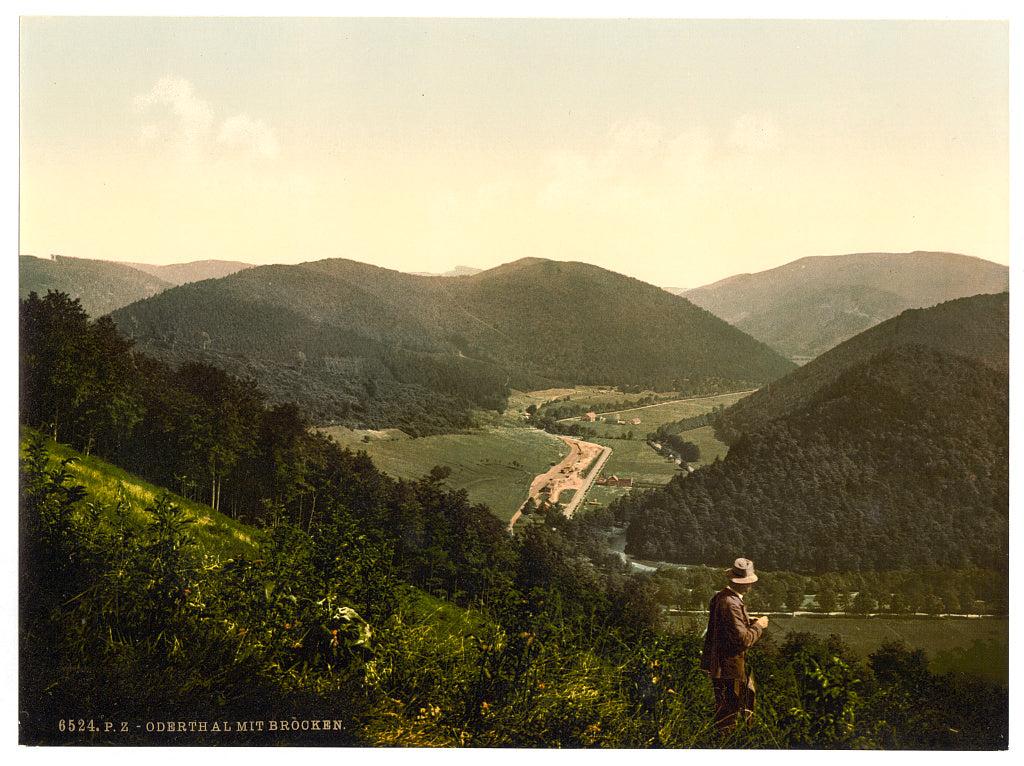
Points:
x=762 y=622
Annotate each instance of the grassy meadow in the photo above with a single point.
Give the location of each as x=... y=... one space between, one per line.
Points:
x=654 y=415
x=496 y=463
x=109 y=486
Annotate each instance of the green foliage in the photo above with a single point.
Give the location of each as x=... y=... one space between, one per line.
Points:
x=77 y=382
x=976 y=328
x=529 y=640
x=142 y=623
x=901 y=462
x=827 y=704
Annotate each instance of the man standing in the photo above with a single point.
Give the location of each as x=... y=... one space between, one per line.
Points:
x=731 y=631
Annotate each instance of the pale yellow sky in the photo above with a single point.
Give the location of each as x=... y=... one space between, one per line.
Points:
x=678 y=152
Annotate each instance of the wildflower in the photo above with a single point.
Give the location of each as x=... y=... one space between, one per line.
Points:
x=287 y=626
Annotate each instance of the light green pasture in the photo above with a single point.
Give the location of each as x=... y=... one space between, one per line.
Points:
x=494 y=465
x=658 y=414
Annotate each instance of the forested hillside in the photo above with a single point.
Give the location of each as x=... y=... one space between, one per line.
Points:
x=101 y=286
x=977 y=328
x=806 y=307
x=363 y=346
x=900 y=462
x=597 y=327
x=365 y=611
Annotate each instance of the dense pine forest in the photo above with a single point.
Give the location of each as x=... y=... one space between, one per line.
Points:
x=901 y=462
x=364 y=610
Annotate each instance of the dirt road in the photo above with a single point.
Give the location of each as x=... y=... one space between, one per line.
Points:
x=569 y=475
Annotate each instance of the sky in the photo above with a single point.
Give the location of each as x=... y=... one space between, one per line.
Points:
x=679 y=152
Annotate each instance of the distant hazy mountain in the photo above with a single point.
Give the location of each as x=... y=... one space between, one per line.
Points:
x=100 y=286
x=977 y=328
x=811 y=305
x=458 y=271
x=351 y=341
x=889 y=452
x=194 y=271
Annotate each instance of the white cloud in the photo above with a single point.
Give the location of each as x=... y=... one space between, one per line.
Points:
x=178 y=119
x=191 y=117
x=253 y=136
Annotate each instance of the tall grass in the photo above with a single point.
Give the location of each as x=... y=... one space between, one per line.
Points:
x=111 y=487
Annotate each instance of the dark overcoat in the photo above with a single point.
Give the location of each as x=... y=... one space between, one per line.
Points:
x=731 y=632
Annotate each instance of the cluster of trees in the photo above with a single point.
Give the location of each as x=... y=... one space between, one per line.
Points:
x=194 y=428
x=668 y=437
x=901 y=462
x=564 y=407
x=372 y=387
x=686 y=424
x=931 y=591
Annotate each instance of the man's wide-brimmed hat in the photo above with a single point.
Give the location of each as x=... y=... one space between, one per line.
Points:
x=742 y=571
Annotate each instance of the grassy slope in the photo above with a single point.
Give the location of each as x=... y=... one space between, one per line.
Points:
x=218 y=535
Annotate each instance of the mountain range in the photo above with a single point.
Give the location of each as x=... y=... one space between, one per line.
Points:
x=801 y=309
x=354 y=343
x=806 y=307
